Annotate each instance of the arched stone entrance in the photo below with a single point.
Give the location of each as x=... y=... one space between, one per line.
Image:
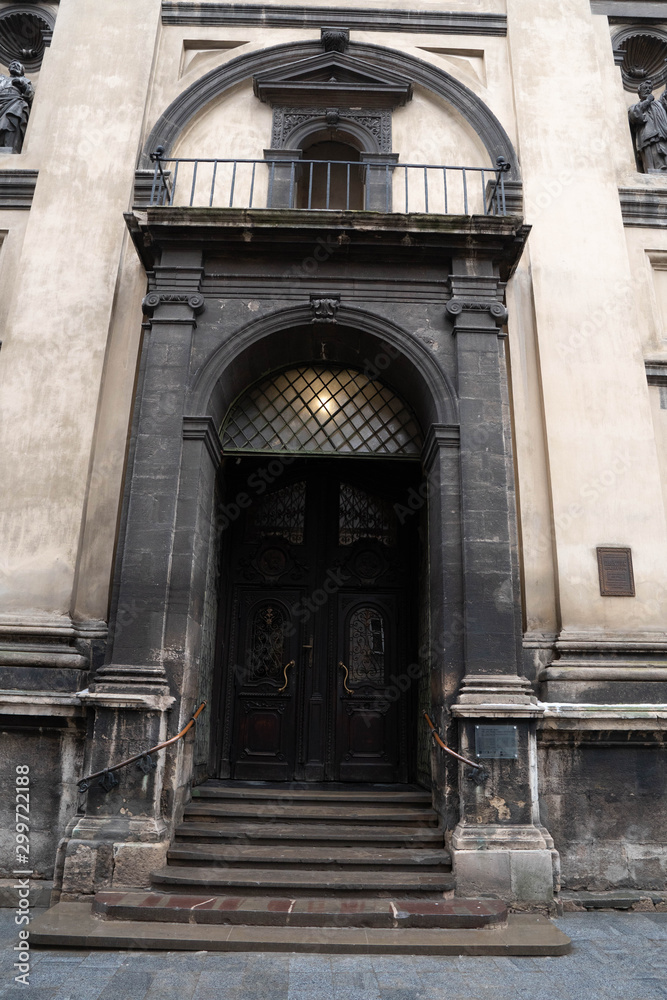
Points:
x=406 y=392
x=318 y=629
x=234 y=298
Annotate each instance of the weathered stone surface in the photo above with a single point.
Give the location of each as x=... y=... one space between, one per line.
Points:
x=73 y=925
x=133 y=863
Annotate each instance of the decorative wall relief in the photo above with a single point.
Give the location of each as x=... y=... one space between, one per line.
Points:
x=16 y=96
x=641 y=52
x=648 y=121
x=25 y=32
x=335 y=39
x=376 y=124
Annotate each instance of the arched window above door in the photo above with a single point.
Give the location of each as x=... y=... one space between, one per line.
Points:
x=322 y=410
x=329 y=179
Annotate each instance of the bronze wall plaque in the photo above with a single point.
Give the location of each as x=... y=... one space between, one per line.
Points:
x=496 y=742
x=615 y=569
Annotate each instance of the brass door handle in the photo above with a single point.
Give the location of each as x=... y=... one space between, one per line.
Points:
x=286 y=668
x=347 y=674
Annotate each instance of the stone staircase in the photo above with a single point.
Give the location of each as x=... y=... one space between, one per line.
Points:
x=303 y=841
x=332 y=868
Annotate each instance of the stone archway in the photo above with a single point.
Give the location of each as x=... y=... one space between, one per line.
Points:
x=192 y=101
x=389 y=353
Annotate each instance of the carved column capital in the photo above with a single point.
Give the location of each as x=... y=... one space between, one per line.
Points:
x=496 y=309
x=154 y=300
x=476 y=302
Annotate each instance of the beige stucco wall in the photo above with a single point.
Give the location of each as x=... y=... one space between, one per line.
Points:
x=604 y=475
x=58 y=320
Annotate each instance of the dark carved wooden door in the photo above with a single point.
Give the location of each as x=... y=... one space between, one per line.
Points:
x=319 y=622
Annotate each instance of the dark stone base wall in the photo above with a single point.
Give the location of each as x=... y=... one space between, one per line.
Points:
x=55 y=759
x=603 y=797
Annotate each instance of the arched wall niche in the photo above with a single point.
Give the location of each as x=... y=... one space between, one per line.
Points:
x=377 y=347
x=195 y=98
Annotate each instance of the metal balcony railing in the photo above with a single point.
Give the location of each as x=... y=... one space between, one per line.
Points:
x=329 y=185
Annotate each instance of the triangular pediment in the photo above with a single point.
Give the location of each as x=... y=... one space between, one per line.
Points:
x=332 y=78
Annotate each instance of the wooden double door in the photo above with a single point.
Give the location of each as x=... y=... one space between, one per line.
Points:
x=318 y=641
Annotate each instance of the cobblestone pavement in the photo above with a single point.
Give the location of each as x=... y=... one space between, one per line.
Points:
x=615 y=956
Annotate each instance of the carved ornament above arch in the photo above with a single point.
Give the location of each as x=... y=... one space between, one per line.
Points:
x=369 y=128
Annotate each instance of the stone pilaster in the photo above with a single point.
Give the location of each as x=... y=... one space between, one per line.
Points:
x=283 y=177
x=498 y=844
x=123 y=834
x=136 y=654
x=379 y=181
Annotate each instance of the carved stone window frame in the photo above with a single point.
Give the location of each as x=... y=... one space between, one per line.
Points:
x=369 y=127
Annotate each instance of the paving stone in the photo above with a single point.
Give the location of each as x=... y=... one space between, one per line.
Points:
x=610 y=961
x=82 y=986
x=32 y=993
x=129 y=984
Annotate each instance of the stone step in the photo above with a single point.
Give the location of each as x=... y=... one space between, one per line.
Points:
x=74 y=925
x=303 y=912
x=314 y=813
x=324 y=835
x=279 y=792
x=269 y=881
x=313 y=857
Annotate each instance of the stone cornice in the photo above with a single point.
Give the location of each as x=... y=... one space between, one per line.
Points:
x=426 y=238
x=644 y=206
x=440 y=436
x=580 y=717
x=116 y=700
x=204 y=429
x=637 y=10
x=177 y=12
x=40 y=703
x=656 y=371
x=17 y=188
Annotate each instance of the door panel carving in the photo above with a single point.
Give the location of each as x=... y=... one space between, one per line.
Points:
x=264 y=692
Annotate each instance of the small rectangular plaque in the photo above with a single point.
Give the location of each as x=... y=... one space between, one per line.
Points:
x=494 y=742
x=615 y=569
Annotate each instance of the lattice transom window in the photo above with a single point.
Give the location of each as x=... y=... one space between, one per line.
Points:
x=322 y=410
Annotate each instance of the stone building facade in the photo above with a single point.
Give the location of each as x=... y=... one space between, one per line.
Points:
x=217 y=351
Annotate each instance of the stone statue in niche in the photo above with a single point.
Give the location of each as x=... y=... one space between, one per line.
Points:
x=648 y=120
x=16 y=95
